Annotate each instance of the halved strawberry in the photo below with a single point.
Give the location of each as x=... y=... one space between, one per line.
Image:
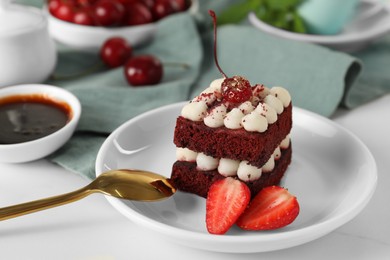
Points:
x=273 y=207
x=226 y=201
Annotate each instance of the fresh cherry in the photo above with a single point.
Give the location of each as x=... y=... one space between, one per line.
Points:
x=115 y=52
x=84 y=17
x=163 y=8
x=143 y=70
x=149 y=3
x=136 y=14
x=65 y=12
x=53 y=6
x=183 y=4
x=236 y=89
x=108 y=12
x=87 y=3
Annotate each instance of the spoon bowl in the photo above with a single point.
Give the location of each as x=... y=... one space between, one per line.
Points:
x=135 y=185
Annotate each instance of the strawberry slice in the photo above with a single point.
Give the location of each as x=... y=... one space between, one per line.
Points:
x=226 y=201
x=273 y=207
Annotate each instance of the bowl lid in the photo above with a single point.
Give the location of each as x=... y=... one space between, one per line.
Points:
x=16 y=19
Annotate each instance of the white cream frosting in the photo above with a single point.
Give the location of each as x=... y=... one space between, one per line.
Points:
x=268 y=112
x=209 y=99
x=285 y=142
x=246 y=107
x=247 y=172
x=215 y=117
x=275 y=103
x=228 y=167
x=259 y=92
x=254 y=122
x=185 y=154
x=206 y=163
x=267 y=103
x=277 y=153
x=233 y=119
x=195 y=111
x=215 y=86
x=269 y=165
x=282 y=94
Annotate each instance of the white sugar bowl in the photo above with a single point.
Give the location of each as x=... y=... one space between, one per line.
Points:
x=27 y=53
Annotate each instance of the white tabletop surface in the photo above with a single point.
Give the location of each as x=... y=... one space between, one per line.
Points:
x=93 y=229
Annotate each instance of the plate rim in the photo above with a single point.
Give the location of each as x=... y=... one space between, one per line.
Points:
x=294 y=237
x=323 y=39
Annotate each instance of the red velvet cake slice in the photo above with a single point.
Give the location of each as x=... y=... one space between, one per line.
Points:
x=219 y=135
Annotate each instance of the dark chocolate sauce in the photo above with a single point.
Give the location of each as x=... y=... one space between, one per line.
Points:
x=29 y=117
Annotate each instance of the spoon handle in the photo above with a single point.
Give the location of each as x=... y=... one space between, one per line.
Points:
x=37 y=205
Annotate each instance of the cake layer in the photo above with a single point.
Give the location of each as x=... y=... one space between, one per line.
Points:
x=237 y=144
x=187 y=178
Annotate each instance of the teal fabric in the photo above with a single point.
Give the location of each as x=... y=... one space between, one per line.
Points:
x=319 y=79
x=107 y=100
x=315 y=76
x=374 y=80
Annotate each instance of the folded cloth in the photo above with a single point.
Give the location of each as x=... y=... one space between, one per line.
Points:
x=315 y=76
x=318 y=79
x=374 y=80
x=107 y=100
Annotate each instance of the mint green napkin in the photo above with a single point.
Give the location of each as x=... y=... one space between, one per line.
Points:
x=108 y=101
x=318 y=79
x=315 y=76
x=374 y=80
x=243 y=50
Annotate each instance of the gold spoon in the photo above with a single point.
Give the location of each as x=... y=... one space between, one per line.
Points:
x=124 y=184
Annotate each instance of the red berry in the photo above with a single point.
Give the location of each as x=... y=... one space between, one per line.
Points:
x=236 y=89
x=115 y=51
x=226 y=201
x=86 y=3
x=136 y=14
x=65 y=12
x=183 y=4
x=163 y=8
x=143 y=70
x=273 y=207
x=124 y=2
x=108 y=12
x=53 y=6
x=83 y=17
x=149 y=3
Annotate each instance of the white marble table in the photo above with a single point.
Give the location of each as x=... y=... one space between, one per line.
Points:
x=93 y=229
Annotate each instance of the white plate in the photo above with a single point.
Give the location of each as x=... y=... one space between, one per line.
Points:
x=332 y=173
x=358 y=34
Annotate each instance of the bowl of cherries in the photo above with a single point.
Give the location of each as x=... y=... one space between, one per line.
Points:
x=86 y=24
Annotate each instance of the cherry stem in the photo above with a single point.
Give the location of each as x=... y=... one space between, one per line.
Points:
x=212 y=14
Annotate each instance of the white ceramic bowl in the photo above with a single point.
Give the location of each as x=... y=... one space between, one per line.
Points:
x=91 y=38
x=24 y=43
x=357 y=34
x=39 y=148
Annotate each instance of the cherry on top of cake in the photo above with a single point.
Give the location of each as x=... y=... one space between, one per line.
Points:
x=237 y=89
x=232 y=101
